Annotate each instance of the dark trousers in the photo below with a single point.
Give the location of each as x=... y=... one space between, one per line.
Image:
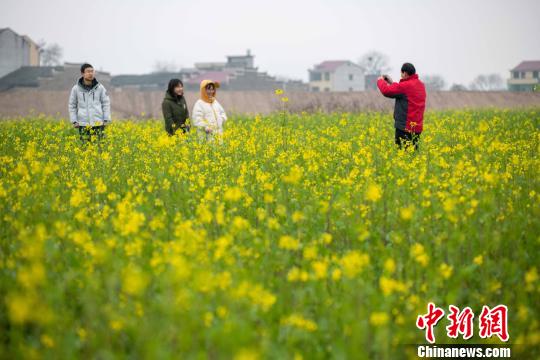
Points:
x=86 y=133
x=405 y=139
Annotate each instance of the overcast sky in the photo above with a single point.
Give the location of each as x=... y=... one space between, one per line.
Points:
x=457 y=39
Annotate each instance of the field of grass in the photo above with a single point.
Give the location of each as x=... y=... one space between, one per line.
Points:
x=300 y=236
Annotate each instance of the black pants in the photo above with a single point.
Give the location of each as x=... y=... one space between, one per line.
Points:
x=86 y=133
x=405 y=139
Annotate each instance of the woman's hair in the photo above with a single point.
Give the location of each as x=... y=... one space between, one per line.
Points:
x=210 y=85
x=172 y=84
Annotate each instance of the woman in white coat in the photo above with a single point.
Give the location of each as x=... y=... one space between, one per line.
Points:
x=208 y=115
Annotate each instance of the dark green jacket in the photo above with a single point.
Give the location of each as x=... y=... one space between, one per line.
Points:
x=175 y=113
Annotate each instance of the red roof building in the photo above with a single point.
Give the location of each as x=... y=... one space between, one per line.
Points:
x=525 y=76
x=336 y=75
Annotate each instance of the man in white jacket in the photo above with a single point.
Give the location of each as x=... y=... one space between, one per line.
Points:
x=208 y=115
x=89 y=105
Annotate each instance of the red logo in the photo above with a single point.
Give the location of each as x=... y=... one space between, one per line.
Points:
x=492 y=321
x=429 y=320
x=461 y=322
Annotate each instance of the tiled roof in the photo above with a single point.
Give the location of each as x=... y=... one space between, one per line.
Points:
x=27 y=76
x=330 y=65
x=528 y=66
x=159 y=79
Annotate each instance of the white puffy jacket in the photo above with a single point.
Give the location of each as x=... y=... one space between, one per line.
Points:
x=89 y=107
x=209 y=116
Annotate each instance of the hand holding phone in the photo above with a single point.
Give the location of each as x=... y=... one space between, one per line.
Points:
x=388 y=79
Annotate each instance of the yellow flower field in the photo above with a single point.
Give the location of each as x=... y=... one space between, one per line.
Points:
x=300 y=236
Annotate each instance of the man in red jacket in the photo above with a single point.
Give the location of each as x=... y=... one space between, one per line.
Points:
x=410 y=95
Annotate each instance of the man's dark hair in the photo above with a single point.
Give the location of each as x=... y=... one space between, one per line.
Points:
x=408 y=68
x=172 y=84
x=85 y=66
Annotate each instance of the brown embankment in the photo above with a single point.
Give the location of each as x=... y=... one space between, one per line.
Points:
x=126 y=103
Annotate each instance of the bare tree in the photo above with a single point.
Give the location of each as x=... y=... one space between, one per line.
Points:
x=165 y=67
x=434 y=82
x=50 y=54
x=458 y=87
x=488 y=82
x=374 y=63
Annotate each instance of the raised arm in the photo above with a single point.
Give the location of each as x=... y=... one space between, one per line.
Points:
x=389 y=90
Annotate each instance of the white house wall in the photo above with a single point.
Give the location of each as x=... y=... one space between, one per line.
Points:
x=341 y=82
x=14 y=52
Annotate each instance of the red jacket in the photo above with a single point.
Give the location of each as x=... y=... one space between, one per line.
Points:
x=410 y=95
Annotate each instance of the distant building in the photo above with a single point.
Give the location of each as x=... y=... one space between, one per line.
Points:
x=145 y=82
x=338 y=75
x=237 y=73
x=48 y=77
x=210 y=66
x=16 y=51
x=195 y=79
x=241 y=61
x=525 y=76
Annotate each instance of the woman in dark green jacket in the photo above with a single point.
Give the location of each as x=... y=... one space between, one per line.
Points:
x=175 y=110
